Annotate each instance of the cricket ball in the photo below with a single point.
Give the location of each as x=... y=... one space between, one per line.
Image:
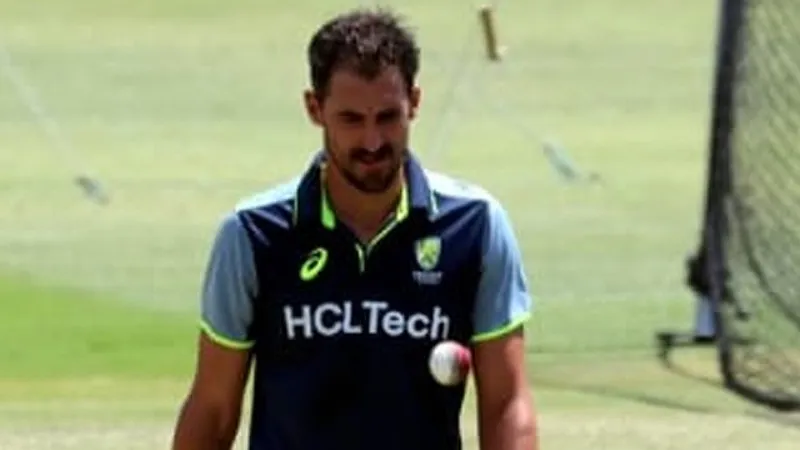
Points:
x=449 y=363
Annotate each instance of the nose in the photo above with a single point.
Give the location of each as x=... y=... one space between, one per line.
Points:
x=372 y=140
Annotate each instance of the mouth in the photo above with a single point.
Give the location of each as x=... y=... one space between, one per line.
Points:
x=375 y=161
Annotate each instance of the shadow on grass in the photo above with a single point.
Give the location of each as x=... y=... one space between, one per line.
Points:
x=632 y=395
x=628 y=395
x=785 y=419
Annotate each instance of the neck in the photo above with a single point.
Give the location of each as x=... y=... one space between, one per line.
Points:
x=364 y=213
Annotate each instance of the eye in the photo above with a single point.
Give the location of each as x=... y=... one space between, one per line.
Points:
x=351 y=117
x=389 y=115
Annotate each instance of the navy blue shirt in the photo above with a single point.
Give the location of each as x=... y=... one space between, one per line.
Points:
x=341 y=330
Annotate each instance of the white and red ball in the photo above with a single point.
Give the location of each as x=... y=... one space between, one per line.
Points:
x=449 y=363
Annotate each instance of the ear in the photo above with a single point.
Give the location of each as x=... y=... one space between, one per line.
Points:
x=414 y=98
x=313 y=107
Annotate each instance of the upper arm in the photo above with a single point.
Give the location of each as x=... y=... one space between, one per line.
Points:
x=505 y=411
x=503 y=301
x=502 y=306
x=220 y=377
x=499 y=366
x=229 y=287
x=228 y=291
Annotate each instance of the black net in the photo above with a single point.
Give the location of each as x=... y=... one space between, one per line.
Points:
x=754 y=199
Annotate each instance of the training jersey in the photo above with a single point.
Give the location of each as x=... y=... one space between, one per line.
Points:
x=341 y=330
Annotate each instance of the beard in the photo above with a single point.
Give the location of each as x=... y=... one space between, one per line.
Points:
x=355 y=166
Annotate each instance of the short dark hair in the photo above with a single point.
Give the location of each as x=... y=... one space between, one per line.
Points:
x=366 y=41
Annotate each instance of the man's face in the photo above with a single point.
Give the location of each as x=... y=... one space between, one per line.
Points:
x=366 y=126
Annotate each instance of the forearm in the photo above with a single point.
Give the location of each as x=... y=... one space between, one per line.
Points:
x=511 y=426
x=204 y=428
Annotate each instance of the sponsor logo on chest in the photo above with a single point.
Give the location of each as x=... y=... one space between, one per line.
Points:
x=368 y=317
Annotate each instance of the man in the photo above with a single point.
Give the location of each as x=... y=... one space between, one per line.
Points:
x=338 y=284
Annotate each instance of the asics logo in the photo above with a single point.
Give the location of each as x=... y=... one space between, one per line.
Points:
x=314 y=264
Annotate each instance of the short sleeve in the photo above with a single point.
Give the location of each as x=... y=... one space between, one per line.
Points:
x=503 y=300
x=229 y=287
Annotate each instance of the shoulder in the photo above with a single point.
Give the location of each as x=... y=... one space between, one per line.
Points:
x=259 y=215
x=464 y=198
x=453 y=192
x=273 y=206
x=273 y=196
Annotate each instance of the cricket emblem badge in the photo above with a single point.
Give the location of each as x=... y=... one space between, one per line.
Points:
x=428 y=250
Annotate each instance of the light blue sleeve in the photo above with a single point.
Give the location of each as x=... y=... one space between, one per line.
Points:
x=503 y=300
x=229 y=287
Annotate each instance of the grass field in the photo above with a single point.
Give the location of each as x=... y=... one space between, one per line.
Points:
x=182 y=107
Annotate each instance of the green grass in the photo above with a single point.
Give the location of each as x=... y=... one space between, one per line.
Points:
x=181 y=108
x=67 y=333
